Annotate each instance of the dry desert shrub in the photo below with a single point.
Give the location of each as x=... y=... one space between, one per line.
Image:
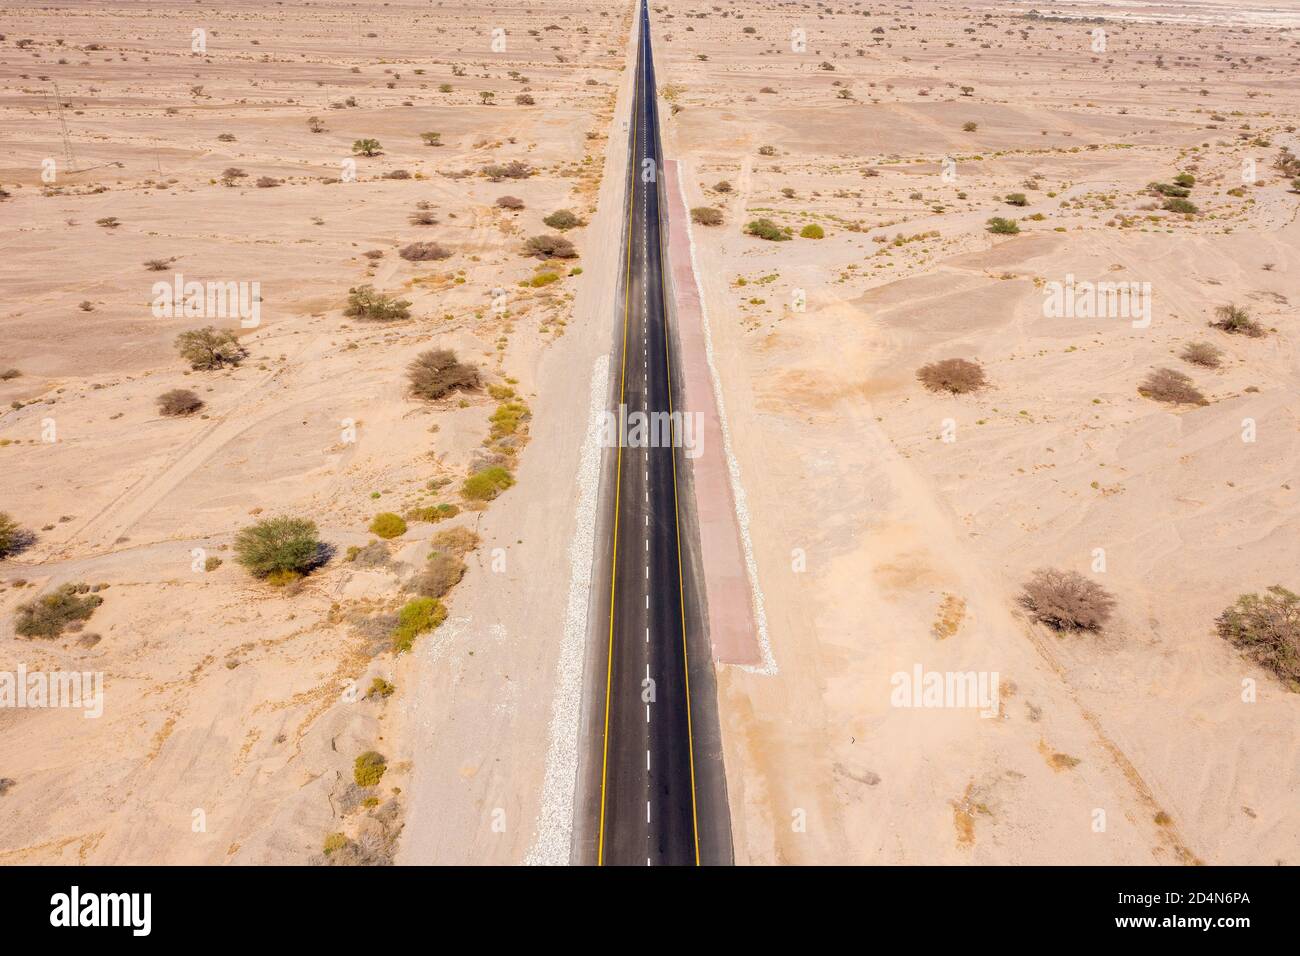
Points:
x=1267 y=628
x=437 y=372
x=955 y=376
x=562 y=219
x=511 y=170
x=1203 y=354
x=1171 y=386
x=510 y=202
x=207 y=348
x=1236 y=321
x=424 y=252
x=179 y=402
x=550 y=247
x=706 y=216
x=457 y=541
x=1066 y=600
x=67 y=607
x=422 y=217
x=440 y=575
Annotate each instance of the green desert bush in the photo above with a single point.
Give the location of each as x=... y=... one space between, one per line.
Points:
x=487 y=483
x=562 y=219
x=1001 y=226
x=179 y=402
x=1170 y=386
x=955 y=376
x=767 y=229
x=380 y=689
x=417 y=616
x=208 y=348
x=47 y=616
x=388 y=525
x=369 y=768
x=365 y=303
x=366 y=147
x=279 y=549
x=12 y=537
x=812 y=231
x=436 y=373
x=1066 y=600
x=1267 y=628
x=432 y=513
x=1182 y=206
x=1017 y=199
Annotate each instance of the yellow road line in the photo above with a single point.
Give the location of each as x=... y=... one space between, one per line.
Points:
x=618 y=481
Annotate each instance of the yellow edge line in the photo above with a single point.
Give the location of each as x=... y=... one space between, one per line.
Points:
x=618 y=480
x=681 y=588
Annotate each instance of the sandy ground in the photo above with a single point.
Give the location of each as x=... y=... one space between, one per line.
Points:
x=234 y=710
x=882 y=546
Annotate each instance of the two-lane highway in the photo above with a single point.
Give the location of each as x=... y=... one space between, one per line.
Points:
x=655 y=787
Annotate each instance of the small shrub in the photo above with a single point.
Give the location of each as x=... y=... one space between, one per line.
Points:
x=440 y=575
x=1203 y=354
x=424 y=252
x=511 y=170
x=510 y=202
x=1016 y=199
x=970 y=127
x=12 y=537
x=315 y=124
x=457 y=541
x=431 y=139
x=366 y=147
x=1236 y=321
x=436 y=373
x=1003 y=227
x=1181 y=206
x=335 y=841
x=365 y=303
x=267 y=182
x=486 y=484
x=525 y=99
x=380 y=689
x=1267 y=628
x=179 y=402
x=423 y=217
x=812 y=231
x=767 y=229
x=388 y=525
x=550 y=247
x=1066 y=600
x=369 y=769
x=955 y=376
x=417 y=616
x=562 y=219
x=722 y=186
x=232 y=175
x=706 y=216
x=284 y=547
x=157 y=265
x=207 y=348
x=47 y=616
x=767 y=150
x=433 y=513
x=1172 y=386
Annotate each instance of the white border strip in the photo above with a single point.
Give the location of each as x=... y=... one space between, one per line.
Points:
x=555 y=816
x=768 y=666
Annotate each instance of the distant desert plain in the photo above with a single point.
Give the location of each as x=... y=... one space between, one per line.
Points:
x=230 y=231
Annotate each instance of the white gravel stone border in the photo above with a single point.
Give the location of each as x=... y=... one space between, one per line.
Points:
x=551 y=846
x=768 y=666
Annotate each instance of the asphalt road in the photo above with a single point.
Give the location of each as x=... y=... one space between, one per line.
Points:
x=656 y=793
